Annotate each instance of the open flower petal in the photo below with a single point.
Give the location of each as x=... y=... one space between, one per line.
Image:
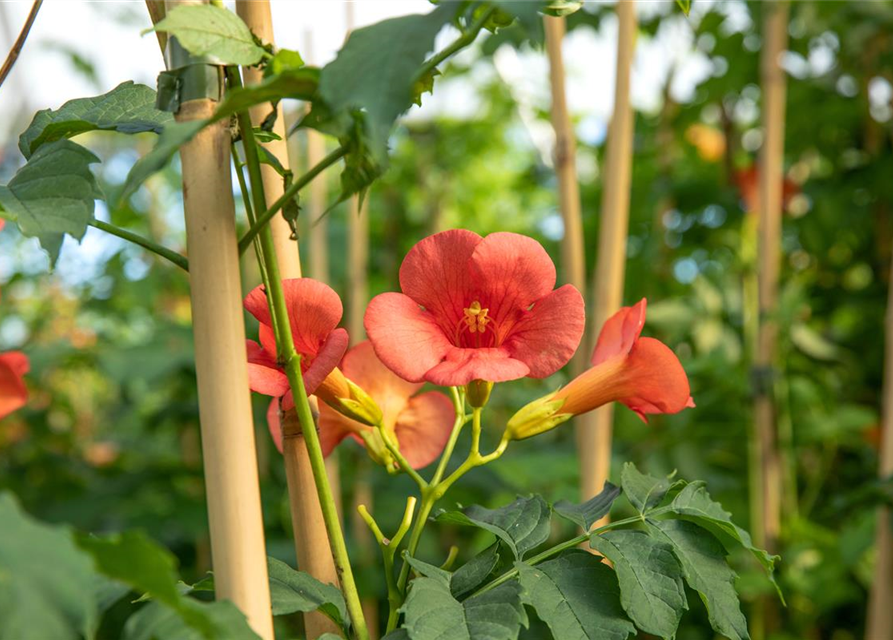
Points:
x=511 y=272
x=654 y=380
x=547 y=336
x=264 y=375
x=405 y=337
x=424 y=427
x=461 y=366
x=620 y=332
x=334 y=427
x=326 y=360
x=390 y=391
x=435 y=274
x=274 y=424
x=13 y=393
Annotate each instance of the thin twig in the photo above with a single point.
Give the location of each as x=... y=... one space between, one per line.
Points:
x=13 y=54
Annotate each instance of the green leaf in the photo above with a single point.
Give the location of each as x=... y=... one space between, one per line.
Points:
x=522 y=525
x=650 y=577
x=135 y=560
x=128 y=108
x=428 y=570
x=577 y=596
x=560 y=8
x=206 y=30
x=293 y=591
x=157 y=621
x=471 y=574
x=643 y=491
x=283 y=60
x=591 y=511
x=685 y=5
x=694 y=503
x=527 y=14
x=47 y=586
x=53 y=194
x=703 y=560
x=376 y=71
x=432 y=613
x=300 y=83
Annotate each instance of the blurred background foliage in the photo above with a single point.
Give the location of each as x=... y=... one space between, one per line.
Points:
x=110 y=438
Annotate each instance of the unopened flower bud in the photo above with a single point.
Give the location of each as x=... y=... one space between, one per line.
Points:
x=348 y=399
x=537 y=417
x=478 y=393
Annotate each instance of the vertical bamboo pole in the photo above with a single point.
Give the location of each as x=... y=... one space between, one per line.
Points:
x=311 y=539
x=316 y=198
x=594 y=430
x=234 y=510
x=771 y=177
x=880 y=602
x=573 y=260
x=357 y=246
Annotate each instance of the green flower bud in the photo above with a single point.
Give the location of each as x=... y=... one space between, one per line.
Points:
x=478 y=393
x=537 y=417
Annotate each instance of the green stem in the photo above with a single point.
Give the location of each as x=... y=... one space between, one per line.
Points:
x=554 y=551
x=268 y=213
x=291 y=361
x=459 y=43
x=436 y=490
x=145 y=243
x=402 y=462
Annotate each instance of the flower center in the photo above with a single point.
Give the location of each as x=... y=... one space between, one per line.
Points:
x=474 y=324
x=476 y=318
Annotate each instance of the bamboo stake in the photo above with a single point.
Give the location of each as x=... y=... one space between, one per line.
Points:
x=594 y=429
x=573 y=261
x=233 y=493
x=880 y=621
x=316 y=198
x=311 y=539
x=769 y=262
x=357 y=246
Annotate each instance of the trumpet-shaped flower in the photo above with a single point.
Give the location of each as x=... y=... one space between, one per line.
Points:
x=418 y=423
x=314 y=311
x=476 y=308
x=642 y=373
x=13 y=394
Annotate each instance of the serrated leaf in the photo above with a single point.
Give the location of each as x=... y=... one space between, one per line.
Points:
x=695 y=503
x=156 y=621
x=128 y=108
x=293 y=591
x=135 y=560
x=53 y=194
x=376 y=71
x=522 y=525
x=473 y=573
x=47 y=585
x=206 y=30
x=650 y=578
x=432 y=613
x=428 y=570
x=643 y=491
x=577 y=596
x=591 y=511
x=300 y=83
x=704 y=566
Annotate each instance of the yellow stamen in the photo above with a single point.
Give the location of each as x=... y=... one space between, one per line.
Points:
x=476 y=317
